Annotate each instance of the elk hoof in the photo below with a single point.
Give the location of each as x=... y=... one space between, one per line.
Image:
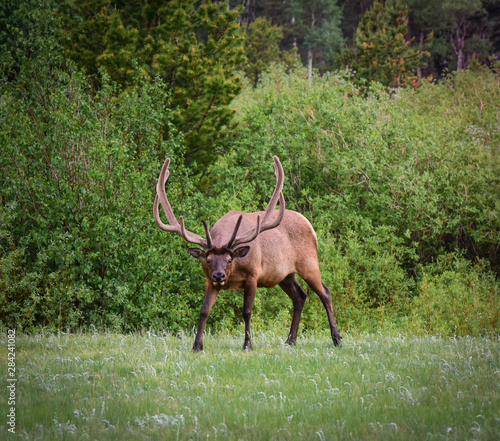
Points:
x=248 y=346
x=198 y=347
x=337 y=340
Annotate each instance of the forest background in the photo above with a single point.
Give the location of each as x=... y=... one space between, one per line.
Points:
x=385 y=116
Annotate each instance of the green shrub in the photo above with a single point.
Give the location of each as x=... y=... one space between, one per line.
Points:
x=78 y=244
x=385 y=186
x=456 y=297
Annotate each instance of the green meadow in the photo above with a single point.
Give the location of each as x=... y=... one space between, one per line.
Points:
x=144 y=386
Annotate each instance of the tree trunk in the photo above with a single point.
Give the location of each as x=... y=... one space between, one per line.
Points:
x=457 y=40
x=310 y=54
x=419 y=69
x=309 y=64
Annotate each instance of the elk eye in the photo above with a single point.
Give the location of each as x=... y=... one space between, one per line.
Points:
x=209 y=261
x=230 y=260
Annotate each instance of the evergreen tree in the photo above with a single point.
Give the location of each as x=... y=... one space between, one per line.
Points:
x=194 y=47
x=382 y=52
x=261 y=46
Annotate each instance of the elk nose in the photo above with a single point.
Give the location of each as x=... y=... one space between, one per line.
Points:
x=218 y=276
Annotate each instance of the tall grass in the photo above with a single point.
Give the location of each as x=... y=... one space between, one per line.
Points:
x=107 y=386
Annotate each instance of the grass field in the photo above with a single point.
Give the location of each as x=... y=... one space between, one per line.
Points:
x=376 y=387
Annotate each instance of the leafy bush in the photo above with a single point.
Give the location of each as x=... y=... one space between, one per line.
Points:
x=387 y=189
x=456 y=297
x=78 y=244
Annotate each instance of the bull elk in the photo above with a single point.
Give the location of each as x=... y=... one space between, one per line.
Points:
x=251 y=250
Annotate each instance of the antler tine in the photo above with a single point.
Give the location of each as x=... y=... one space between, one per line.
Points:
x=273 y=224
x=207 y=233
x=174 y=226
x=247 y=237
x=235 y=231
x=156 y=214
x=267 y=221
x=160 y=191
x=191 y=237
x=280 y=178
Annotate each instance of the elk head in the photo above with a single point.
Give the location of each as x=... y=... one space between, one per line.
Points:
x=218 y=258
x=217 y=263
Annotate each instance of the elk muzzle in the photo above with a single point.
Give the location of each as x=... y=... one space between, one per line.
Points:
x=218 y=276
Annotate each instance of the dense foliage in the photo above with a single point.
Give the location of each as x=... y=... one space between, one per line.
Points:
x=77 y=245
x=382 y=52
x=403 y=191
x=194 y=47
x=464 y=30
x=392 y=184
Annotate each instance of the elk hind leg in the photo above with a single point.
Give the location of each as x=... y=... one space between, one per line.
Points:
x=317 y=285
x=298 y=296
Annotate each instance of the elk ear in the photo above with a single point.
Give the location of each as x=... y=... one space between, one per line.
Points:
x=241 y=251
x=196 y=253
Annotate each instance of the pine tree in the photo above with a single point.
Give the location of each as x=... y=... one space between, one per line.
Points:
x=194 y=47
x=261 y=46
x=382 y=52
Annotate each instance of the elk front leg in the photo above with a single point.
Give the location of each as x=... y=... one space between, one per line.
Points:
x=210 y=297
x=248 y=299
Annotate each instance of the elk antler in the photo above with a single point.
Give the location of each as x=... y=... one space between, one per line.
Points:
x=175 y=227
x=267 y=223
